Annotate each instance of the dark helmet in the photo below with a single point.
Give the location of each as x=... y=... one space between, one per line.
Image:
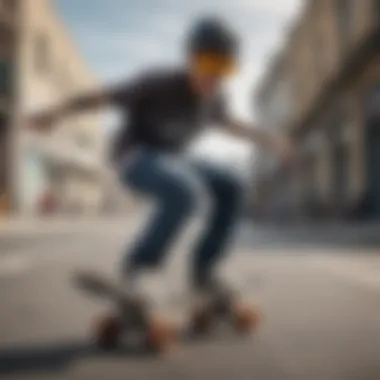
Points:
x=212 y=35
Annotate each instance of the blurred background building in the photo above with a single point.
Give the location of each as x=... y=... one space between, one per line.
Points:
x=323 y=89
x=40 y=67
x=274 y=101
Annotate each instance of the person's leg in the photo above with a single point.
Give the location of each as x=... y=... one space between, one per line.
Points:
x=226 y=192
x=173 y=185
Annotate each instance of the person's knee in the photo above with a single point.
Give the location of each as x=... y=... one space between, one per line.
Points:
x=183 y=197
x=231 y=189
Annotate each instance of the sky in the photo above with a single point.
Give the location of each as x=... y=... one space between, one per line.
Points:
x=121 y=37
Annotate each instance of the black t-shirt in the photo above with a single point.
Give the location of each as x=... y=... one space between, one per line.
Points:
x=162 y=111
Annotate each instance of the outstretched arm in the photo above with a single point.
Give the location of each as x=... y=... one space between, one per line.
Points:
x=275 y=143
x=123 y=94
x=89 y=101
x=44 y=120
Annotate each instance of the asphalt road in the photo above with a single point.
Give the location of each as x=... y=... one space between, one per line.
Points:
x=321 y=313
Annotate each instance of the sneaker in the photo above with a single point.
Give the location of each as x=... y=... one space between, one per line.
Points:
x=215 y=287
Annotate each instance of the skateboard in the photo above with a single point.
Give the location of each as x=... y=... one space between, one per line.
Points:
x=132 y=315
x=223 y=306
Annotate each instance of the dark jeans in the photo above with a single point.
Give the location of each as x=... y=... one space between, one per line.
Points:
x=176 y=185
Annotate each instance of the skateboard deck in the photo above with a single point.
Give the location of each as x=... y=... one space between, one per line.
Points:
x=102 y=287
x=133 y=314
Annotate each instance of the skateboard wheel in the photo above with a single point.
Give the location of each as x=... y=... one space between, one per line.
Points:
x=245 y=319
x=161 y=336
x=107 y=331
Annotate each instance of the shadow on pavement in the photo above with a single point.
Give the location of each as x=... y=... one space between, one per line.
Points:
x=56 y=357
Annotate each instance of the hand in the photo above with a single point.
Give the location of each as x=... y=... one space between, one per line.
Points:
x=43 y=121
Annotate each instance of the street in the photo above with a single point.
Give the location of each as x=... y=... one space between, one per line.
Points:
x=321 y=308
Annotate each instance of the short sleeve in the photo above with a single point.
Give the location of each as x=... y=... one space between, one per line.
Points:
x=127 y=92
x=133 y=90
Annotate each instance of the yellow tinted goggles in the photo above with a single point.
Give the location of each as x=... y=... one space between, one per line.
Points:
x=214 y=64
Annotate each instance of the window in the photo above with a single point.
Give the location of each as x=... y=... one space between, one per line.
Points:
x=372 y=103
x=311 y=176
x=299 y=81
x=346 y=21
x=319 y=51
x=340 y=135
x=376 y=7
x=4 y=163
x=41 y=53
x=5 y=77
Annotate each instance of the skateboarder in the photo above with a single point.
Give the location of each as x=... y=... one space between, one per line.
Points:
x=166 y=109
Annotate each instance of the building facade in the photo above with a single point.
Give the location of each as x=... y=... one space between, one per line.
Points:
x=8 y=35
x=274 y=103
x=61 y=171
x=334 y=61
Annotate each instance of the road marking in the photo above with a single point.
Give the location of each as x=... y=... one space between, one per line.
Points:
x=13 y=265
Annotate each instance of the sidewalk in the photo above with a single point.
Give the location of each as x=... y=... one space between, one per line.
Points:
x=21 y=226
x=363 y=269
x=21 y=233
x=27 y=226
